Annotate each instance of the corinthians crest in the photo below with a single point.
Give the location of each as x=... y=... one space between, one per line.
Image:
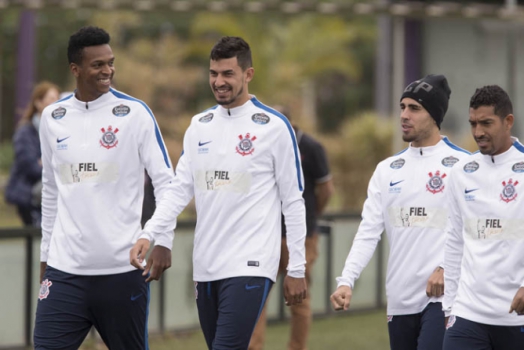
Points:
x=435 y=183
x=245 y=146
x=509 y=192
x=108 y=139
x=44 y=289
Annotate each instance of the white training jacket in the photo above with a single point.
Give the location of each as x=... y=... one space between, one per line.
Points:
x=242 y=165
x=93 y=155
x=484 y=254
x=407 y=197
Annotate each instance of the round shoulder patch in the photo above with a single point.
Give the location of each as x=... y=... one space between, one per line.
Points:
x=121 y=110
x=449 y=161
x=59 y=113
x=471 y=167
x=518 y=167
x=207 y=118
x=397 y=164
x=260 y=118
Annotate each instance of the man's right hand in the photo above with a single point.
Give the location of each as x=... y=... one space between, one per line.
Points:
x=43 y=266
x=138 y=253
x=341 y=298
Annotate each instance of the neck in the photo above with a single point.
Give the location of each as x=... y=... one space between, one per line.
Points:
x=429 y=141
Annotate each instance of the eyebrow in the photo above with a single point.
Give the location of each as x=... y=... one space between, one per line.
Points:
x=225 y=71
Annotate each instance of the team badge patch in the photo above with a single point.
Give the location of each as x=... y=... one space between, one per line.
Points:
x=245 y=146
x=108 y=139
x=509 y=191
x=435 y=183
x=518 y=167
x=397 y=164
x=207 y=118
x=196 y=290
x=59 y=113
x=451 y=321
x=121 y=111
x=449 y=161
x=44 y=289
x=260 y=118
x=471 y=167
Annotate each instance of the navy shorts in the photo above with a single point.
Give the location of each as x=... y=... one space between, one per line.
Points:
x=68 y=305
x=422 y=331
x=462 y=334
x=228 y=310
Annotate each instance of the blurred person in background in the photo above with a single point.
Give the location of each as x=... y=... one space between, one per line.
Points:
x=25 y=185
x=96 y=145
x=318 y=188
x=241 y=164
x=407 y=197
x=484 y=253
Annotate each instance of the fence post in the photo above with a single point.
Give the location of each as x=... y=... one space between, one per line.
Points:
x=28 y=286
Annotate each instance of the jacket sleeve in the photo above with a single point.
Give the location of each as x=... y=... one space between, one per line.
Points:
x=49 y=188
x=172 y=199
x=27 y=153
x=290 y=183
x=453 y=249
x=368 y=234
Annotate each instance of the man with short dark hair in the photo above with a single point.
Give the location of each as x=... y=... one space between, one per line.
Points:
x=242 y=165
x=484 y=260
x=96 y=144
x=407 y=198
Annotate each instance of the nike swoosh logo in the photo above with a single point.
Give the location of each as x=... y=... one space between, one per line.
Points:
x=60 y=140
x=466 y=191
x=248 y=287
x=391 y=183
x=203 y=143
x=135 y=297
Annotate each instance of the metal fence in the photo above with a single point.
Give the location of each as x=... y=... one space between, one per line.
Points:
x=172 y=306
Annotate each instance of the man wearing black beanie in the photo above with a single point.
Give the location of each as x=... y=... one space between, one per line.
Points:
x=407 y=198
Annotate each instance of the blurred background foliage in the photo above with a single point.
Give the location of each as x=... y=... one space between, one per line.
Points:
x=321 y=66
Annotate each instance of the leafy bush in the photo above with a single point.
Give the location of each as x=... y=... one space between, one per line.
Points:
x=6 y=157
x=354 y=152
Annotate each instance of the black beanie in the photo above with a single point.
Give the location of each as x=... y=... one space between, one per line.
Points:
x=432 y=92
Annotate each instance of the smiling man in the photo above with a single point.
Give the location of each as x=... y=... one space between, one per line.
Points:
x=96 y=144
x=407 y=197
x=484 y=257
x=242 y=164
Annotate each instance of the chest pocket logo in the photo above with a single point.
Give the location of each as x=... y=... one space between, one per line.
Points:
x=108 y=139
x=435 y=183
x=245 y=146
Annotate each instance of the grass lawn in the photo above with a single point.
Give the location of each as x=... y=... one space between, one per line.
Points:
x=359 y=331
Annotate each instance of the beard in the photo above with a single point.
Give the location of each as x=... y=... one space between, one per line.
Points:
x=231 y=100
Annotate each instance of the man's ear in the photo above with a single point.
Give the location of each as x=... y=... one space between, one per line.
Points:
x=75 y=69
x=250 y=73
x=509 y=121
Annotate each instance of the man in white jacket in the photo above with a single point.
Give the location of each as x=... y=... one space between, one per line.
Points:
x=242 y=164
x=484 y=254
x=407 y=197
x=96 y=143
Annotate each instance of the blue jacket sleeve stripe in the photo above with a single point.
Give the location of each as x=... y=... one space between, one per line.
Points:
x=157 y=130
x=455 y=147
x=293 y=138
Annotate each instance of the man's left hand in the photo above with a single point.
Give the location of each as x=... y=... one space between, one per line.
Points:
x=435 y=286
x=295 y=290
x=517 y=304
x=159 y=260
